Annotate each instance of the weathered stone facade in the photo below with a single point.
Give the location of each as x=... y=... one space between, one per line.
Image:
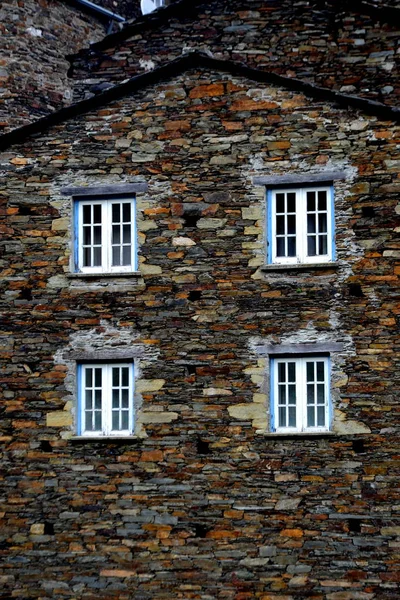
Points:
x=352 y=47
x=202 y=502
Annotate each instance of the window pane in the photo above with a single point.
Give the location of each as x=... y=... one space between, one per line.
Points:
x=125 y=398
x=291 y=224
x=115 y=398
x=280 y=203
x=291 y=371
x=87 y=255
x=97 y=399
x=311 y=225
x=282 y=417
x=97 y=421
x=87 y=236
x=322 y=244
x=126 y=256
x=97 y=213
x=116 y=213
x=88 y=400
x=97 y=377
x=126 y=212
x=281 y=371
x=97 y=257
x=310 y=371
x=280 y=225
x=310 y=416
x=320 y=371
x=291 y=202
x=322 y=223
x=282 y=394
x=125 y=419
x=126 y=234
x=116 y=234
x=321 y=416
x=116 y=256
x=291 y=246
x=115 y=420
x=292 y=394
x=115 y=376
x=321 y=393
x=87 y=214
x=88 y=421
x=280 y=246
x=292 y=416
x=310 y=201
x=125 y=376
x=310 y=393
x=97 y=235
x=311 y=245
x=322 y=200
x=88 y=377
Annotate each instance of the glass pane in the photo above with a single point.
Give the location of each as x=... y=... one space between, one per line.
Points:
x=125 y=419
x=280 y=246
x=87 y=236
x=310 y=416
x=281 y=372
x=311 y=224
x=292 y=416
x=97 y=235
x=321 y=200
x=88 y=421
x=126 y=212
x=116 y=213
x=125 y=398
x=282 y=395
x=291 y=246
x=291 y=371
x=321 y=393
x=310 y=201
x=97 y=377
x=126 y=255
x=97 y=213
x=280 y=203
x=126 y=234
x=88 y=400
x=97 y=399
x=115 y=399
x=320 y=371
x=116 y=234
x=115 y=376
x=310 y=393
x=97 y=421
x=292 y=394
x=116 y=256
x=125 y=376
x=311 y=245
x=280 y=225
x=97 y=257
x=310 y=371
x=322 y=223
x=323 y=244
x=87 y=214
x=291 y=224
x=291 y=202
x=88 y=377
x=115 y=420
x=87 y=255
x=321 y=416
x=282 y=417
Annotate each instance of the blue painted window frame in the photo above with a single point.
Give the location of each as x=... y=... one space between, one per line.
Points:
x=270 y=217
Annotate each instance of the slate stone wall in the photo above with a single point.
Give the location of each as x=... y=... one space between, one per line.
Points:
x=326 y=43
x=202 y=503
x=35 y=38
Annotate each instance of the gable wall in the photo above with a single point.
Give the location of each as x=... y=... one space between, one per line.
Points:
x=158 y=518
x=328 y=45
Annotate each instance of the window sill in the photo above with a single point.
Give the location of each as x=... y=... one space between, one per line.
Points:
x=105 y=439
x=301 y=434
x=300 y=266
x=103 y=275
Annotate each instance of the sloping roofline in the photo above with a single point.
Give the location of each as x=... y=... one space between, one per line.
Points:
x=182 y=64
x=186 y=8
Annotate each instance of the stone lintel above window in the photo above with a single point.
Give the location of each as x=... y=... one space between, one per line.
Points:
x=300 y=349
x=122 y=189
x=106 y=355
x=298 y=178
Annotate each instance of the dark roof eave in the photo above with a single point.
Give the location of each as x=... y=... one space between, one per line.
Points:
x=177 y=67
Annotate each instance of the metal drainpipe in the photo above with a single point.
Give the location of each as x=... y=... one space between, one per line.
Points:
x=103 y=12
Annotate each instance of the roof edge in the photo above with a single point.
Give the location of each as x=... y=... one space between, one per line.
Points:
x=184 y=63
x=184 y=8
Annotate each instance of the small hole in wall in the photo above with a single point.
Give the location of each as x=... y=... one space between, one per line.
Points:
x=191 y=220
x=200 y=531
x=191 y=369
x=355 y=290
x=194 y=295
x=368 y=212
x=354 y=525
x=48 y=529
x=25 y=293
x=45 y=446
x=358 y=446
x=203 y=447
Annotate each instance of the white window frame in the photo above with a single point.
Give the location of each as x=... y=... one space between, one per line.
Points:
x=105 y=389
x=301 y=231
x=300 y=388
x=106 y=226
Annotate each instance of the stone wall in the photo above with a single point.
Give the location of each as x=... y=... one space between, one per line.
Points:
x=329 y=44
x=202 y=503
x=35 y=40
